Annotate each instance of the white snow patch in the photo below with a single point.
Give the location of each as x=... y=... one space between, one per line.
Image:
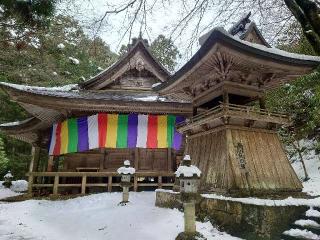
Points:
x=8 y=175
x=100 y=68
x=306 y=223
x=17 y=187
x=96 y=217
x=35 y=42
x=61 y=46
x=188 y=171
x=166 y=191
x=156 y=84
x=74 y=60
x=54 y=73
x=126 y=170
x=126 y=163
x=313 y=213
x=290 y=201
x=305 y=234
x=312 y=162
x=64 y=88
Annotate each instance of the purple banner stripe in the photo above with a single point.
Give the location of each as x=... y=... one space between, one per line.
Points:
x=177 y=137
x=83 y=142
x=132 y=130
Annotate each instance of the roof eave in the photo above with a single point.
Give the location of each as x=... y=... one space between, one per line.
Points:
x=219 y=35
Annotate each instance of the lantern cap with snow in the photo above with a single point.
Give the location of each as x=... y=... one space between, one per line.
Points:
x=8 y=176
x=126 y=172
x=188 y=175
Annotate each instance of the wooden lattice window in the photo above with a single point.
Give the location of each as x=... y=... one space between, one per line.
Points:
x=240 y=155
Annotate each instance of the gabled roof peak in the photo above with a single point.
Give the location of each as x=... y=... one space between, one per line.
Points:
x=135 y=41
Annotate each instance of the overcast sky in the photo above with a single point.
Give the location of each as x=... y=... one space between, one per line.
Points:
x=159 y=22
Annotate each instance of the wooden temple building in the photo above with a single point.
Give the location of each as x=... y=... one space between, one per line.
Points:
x=213 y=108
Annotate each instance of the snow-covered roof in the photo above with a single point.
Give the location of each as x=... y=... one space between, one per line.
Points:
x=64 y=88
x=16 y=123
x=188 y=171
x=221 y=36
x=71 y=91
x=139 y=46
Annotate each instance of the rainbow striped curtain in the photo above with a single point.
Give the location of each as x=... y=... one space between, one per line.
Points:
x=115 y=131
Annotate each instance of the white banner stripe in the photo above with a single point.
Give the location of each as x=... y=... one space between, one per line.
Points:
x=142 y=131
x=53 y=139
x=93 y=132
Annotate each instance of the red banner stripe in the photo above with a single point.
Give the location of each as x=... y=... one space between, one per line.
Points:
x=152 y=131
x=102 y=124
x=57 y=146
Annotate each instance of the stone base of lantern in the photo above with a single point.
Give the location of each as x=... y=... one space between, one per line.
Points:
x=125 y=195
x=190 y=236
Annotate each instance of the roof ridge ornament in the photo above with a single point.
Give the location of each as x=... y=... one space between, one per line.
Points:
x=240 y=26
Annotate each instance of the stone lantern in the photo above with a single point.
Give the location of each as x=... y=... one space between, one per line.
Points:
x=126 y=173
x=7 y=180
x=188 y=176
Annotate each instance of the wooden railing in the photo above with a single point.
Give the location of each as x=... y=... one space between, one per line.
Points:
x=233 y=109
x=85 y=175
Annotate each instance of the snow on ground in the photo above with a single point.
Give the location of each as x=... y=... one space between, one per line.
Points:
x=15 y=190
x=302 y=234
x=312 y=161
x=96 y=217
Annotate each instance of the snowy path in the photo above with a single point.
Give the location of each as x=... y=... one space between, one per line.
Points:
x=95 y=217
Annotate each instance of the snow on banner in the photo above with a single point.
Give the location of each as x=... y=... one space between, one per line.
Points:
x=115 y=131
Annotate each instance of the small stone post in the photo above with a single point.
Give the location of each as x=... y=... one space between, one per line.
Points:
x=126 y=172
x=189 y=176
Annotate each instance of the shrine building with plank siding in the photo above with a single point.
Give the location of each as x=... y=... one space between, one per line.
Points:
x=136 y=110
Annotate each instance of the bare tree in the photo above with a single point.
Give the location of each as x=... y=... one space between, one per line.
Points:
x=198 y=16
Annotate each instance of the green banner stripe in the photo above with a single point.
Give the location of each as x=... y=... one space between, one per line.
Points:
x=170 y=129
x=122 y=133
x=72 y=135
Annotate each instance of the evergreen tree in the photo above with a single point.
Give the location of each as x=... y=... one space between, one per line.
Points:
x=4 y=162
x=165 y=51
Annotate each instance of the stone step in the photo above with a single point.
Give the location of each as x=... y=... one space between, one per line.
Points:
x=295 y=233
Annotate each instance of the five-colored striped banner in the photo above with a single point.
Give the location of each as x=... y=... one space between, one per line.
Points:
x=115 y=131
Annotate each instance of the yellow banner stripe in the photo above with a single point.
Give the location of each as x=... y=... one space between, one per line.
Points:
x=112 y=129
x=64 y=137
x=162 y=131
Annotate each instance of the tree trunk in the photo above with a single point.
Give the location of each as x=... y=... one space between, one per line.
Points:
x=298 y=149
x=311 y=11
x=306 y=14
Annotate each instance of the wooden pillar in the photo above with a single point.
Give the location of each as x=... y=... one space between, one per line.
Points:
x=33 y=167
x=169 y=156
x=159 y=181
x=30 y=183
x=55 y=185
x=35 y=155
x=136 y=158
x=50 y=164
x=135 y=183
x=83 y=184
x=225 y=97
x=102 y=160
x=194 y=111
x=262 y=102
x=109 y=183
